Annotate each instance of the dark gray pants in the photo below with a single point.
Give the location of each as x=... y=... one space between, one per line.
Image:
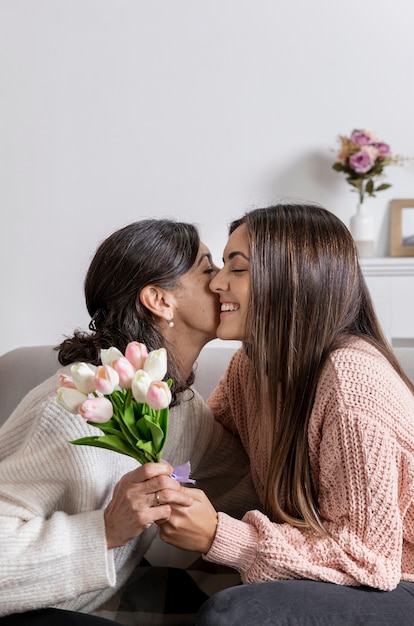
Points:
x=308 y=603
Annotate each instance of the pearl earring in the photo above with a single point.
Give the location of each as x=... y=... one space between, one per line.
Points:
x=171 y=324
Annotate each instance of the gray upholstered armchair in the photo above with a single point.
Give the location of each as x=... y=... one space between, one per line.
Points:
x=24 y=368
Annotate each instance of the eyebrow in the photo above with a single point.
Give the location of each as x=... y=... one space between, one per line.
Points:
x=206 y=255
x=232 y=255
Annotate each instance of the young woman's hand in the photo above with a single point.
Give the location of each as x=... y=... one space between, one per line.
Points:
x=140 y=498
x=190 y=527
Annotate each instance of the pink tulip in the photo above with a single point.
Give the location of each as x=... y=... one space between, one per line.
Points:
x=136 y=353
x=158 y=395
x=106 y=379
x=96 y=410
x=125 y=371
x=66 y=381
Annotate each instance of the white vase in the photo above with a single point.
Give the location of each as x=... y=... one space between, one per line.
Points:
x=362 y=230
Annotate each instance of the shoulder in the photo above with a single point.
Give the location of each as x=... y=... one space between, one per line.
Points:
x=358 y=361
x=39 y=417
x=359 y=381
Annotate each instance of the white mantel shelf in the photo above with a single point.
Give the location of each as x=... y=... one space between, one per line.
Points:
x=390 y=281
x=388 y=266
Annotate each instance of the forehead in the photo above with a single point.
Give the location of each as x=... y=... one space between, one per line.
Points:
x=238 y=241
x=203 y=253
x=202 y=250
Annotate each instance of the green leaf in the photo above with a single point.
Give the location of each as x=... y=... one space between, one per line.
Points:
x=370 y=187
x=383 y=186
x=163 y=422
x=157 y=436
x=117 y=399
x=111 y=423
x=143 y=428
x=129 y=415
x=110 y=442
x=146 y=446
x=111 y=427
x=338 y=167
x=128 y=436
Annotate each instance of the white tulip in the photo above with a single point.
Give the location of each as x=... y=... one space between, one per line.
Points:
x=83 y=377
x=110 y=355
x=156 y=364
x=71 y=399
x=140 y=384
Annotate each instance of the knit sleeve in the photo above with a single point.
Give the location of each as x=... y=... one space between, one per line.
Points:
x=361 y=446
x=222 y=399
x=52 y=495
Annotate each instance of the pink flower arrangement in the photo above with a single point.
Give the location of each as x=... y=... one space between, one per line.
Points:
x=125 y=397
x=362 y=158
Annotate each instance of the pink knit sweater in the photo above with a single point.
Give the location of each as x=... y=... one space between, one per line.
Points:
x=361 y=442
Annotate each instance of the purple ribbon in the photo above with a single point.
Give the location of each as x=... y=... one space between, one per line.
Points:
x=182 y=473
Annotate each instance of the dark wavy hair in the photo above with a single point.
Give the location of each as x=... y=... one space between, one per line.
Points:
x=149 y=252
x=307 y=296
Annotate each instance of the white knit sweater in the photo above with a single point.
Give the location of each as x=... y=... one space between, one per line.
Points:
x=52 y=497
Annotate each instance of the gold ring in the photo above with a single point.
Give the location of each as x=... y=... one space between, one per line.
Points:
x=157 y=497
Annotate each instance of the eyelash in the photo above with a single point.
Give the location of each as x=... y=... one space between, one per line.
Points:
x=238 y=271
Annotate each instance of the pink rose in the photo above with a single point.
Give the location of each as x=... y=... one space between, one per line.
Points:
x=360 y=138
x=383 y=148
x=363 y=137
x=361 y=162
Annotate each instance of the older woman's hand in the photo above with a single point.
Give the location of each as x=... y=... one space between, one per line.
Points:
x=140 y=498
x=190 y=527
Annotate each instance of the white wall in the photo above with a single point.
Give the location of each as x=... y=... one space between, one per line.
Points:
x=116 y=110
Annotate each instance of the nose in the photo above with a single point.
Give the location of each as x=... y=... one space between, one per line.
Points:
x=216 y=283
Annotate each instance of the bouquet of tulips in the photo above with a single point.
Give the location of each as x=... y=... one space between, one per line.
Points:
x=125 y=398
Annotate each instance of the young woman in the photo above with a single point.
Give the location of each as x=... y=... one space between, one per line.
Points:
x=326 y=416
x=76 y=520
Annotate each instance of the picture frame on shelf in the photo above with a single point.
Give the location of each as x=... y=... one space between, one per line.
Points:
x=402 y=227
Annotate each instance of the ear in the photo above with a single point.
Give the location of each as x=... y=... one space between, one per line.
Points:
x=158 y=301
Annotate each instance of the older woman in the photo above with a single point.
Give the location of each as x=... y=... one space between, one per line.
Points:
x=77 y=520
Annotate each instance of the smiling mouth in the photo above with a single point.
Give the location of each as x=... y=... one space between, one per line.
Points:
x=229 y=306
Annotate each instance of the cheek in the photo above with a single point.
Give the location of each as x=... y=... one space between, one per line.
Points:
x=211 y=308
x=211 y=302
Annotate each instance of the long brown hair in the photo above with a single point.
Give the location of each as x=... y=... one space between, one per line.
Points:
x=307 y=294
x=148 y=252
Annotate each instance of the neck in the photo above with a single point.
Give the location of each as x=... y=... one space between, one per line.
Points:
x=186 y=349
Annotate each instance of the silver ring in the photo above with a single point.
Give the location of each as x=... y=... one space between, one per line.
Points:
x=157 y=497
